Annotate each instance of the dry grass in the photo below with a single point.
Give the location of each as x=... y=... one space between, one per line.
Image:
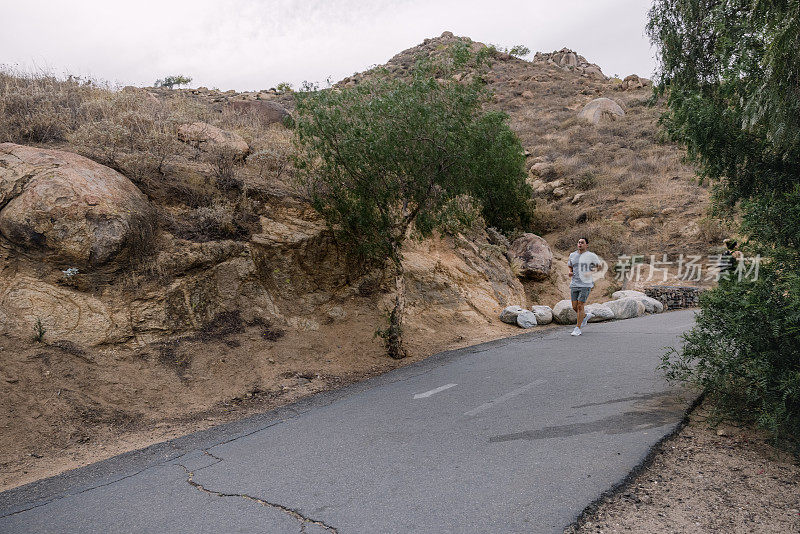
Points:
x=619 y=163
x=211 y=194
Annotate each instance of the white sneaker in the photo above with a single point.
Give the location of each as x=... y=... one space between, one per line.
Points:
x=586 y=319
x=576 y=331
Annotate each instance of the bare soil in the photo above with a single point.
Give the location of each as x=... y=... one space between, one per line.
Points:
x=706 y=478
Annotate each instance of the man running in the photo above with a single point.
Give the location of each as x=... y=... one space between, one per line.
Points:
x=581 y=264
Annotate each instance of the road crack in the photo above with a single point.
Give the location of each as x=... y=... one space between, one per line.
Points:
x=293 y=513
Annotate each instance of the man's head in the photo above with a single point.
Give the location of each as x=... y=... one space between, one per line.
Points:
x=583 y=245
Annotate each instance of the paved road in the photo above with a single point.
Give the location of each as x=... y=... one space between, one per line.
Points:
x=517 y=435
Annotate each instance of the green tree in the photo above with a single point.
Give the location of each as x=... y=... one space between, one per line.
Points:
x=519 y=50
x=171 y=81
x=391 y=155
x=731 y=73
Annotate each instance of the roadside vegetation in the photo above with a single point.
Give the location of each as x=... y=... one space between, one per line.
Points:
x=731 y=74
x=395 y=156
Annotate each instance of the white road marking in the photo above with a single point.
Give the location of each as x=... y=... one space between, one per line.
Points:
x=433 y=391
x=503 y=398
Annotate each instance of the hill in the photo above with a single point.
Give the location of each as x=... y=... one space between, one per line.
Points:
x=208 y=288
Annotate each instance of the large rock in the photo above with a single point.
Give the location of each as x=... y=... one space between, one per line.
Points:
x=563 y=312
x=601 y=109
x=63 y=314
x=208 y=138
x=534 y=254
x=623 y=293
x=509 y=314
x=651 y=305
x=633 y=82
x=626 y=308
x=70 y=208
x=526 y=319
x=544 y=314
x=519 y=316
x=265 y=111
x=600 y=312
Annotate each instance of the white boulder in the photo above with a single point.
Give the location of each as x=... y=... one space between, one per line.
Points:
x=563 y=312
x=600 y=312
x=601 y=109
x=526 y=319
x=626 y=308
x=519 y=316
x=544 y=314
x=509 y=314
x=651 y=305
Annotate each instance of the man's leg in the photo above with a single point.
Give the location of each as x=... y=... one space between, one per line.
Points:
x=580 y=311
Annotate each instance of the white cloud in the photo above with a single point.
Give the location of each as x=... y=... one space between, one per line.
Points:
x=253 y=44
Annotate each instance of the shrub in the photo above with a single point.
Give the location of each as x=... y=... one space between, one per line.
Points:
x=519 y=50
x=171 y=81
x=744 y=350
x=389 y=155
x=587 y=180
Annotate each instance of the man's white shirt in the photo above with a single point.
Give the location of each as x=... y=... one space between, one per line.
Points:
x=582 y=265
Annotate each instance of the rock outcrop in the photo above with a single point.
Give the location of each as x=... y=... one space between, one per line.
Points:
x=601 y=109
x=70 y=209
x=458 y=279
x=296 y=256
x=569 y=60
x=534 y=255
x=633 y=82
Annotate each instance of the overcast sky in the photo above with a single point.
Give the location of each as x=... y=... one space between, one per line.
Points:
x=255 y=44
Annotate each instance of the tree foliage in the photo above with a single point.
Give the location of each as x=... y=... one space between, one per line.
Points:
x=390 y=153
x=731 y=72
x=171 y=81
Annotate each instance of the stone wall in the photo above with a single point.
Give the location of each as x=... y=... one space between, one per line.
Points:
x=674 y=297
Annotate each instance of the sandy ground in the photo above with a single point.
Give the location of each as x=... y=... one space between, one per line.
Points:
x=706 y=479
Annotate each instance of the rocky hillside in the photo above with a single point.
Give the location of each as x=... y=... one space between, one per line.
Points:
x=160 y=269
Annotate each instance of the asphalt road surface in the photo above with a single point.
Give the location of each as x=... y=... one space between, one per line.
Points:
x=516 y=435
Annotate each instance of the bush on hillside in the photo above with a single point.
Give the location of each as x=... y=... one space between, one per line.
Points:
x=391 y=155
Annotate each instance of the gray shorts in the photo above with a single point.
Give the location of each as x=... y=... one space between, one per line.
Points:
x=580 y=293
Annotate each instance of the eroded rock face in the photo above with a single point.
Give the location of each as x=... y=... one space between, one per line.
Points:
x=457 y=279
x=534 y=254
x=295 y=256
x=209 y=138
x=70 y=208
x=63 y=314
x=601 y=109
